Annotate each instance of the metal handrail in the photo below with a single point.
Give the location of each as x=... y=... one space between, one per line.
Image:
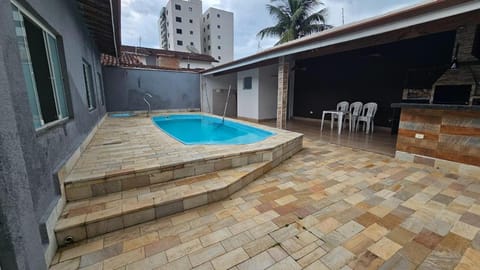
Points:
x=226 y=103
x=148 y=103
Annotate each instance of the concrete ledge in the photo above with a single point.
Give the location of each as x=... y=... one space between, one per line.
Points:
x=445 y=166
x=65 y=169
x=152 y=207
x=160 y=202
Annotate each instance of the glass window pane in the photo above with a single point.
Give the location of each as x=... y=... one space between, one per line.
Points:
x=100 y=86
x=87 y=75
x=27 y=68
x=41 y=70
x=57 y=76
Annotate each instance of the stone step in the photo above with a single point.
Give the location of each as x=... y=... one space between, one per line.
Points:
x=85 y=186
x=95 y=216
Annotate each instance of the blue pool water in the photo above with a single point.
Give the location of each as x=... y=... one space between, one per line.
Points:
x=201 y=129
x=120 y=115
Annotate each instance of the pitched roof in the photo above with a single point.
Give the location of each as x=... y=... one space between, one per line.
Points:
x=389 y=22
x=125 y=59
x=130 y=60
x=166 y=53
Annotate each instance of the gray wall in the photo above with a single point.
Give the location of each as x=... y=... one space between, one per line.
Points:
x=125 y=89
x=29 y=159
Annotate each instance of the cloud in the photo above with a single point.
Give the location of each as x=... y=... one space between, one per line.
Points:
x=139 y=19
x=355 y=10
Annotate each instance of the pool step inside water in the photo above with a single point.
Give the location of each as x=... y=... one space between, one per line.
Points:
x=94 y=216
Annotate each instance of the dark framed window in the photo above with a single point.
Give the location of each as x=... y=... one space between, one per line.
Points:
x=190 y=9
x=219 y=57
x=191 y=44
x=208 y=16
x=191 y=32
x=219 y=47
x=100 y=88
x=179 y=42
x=190 y=21
x=178 y=7
x=219 y=37
x=89 y=90
x=218 y=15
x=218 y=26
x=42 y=69
x=178 y=19
x=179 y=31
x=247 y=83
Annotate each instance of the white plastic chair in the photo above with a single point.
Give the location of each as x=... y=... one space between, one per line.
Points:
x=342 y=109
x=354 y=112
x=368 y=114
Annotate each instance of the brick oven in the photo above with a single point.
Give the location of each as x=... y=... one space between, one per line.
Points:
x=459 y=85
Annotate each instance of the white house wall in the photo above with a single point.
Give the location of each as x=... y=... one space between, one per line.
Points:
x=193 y=64
x=214 y=92
x=268 y=91
x=248 y=98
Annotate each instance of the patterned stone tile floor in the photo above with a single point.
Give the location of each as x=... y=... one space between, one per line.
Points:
x=381 y=141
x=328 y=207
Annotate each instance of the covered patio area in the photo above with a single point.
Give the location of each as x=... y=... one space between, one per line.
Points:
x=382 y=60
x=382 y=141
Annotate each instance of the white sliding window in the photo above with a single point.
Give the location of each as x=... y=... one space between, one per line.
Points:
x=41 y=69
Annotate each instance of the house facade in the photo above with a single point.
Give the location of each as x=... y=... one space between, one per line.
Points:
x=166 y=59
x=51 y=100
x=418 y=64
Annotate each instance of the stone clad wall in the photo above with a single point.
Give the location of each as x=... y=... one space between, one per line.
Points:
x=451 y=138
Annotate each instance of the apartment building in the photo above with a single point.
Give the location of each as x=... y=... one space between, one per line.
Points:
x=183 y=28
x=179 y=26
x=217 y=34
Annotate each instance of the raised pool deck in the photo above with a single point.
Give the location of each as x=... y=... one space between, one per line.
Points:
x=135 y=144
x=132 y=172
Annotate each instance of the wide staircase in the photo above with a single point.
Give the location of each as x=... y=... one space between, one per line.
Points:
x=97 y=206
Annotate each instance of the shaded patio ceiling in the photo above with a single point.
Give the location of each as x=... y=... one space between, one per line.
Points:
x=102 y=18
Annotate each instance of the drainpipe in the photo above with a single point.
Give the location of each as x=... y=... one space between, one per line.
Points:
x=114 y=30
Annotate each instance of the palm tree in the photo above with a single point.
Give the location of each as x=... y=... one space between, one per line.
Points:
x=295 y=19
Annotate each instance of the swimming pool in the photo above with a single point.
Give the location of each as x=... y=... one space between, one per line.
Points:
x=121 y=115
x=201 y=129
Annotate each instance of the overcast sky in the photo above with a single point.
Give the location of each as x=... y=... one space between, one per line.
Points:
x=139 y=19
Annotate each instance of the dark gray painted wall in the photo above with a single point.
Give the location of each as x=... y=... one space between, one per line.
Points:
x=125 y=88
x=20 y=244
x=36 y=156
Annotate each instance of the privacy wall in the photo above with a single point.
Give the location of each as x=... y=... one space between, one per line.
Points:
x=125 y=89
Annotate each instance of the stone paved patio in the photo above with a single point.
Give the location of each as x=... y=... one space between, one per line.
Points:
x=328 y=207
